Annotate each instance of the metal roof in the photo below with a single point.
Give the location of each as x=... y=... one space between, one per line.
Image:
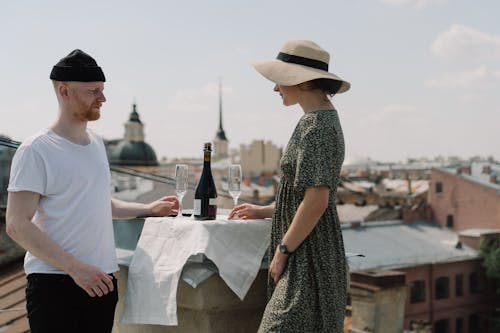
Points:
x=394 y=244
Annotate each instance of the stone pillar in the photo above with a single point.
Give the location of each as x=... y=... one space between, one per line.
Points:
x=378 y=301
x=210 y=308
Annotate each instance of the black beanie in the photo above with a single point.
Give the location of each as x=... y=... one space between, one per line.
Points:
x=77 y=66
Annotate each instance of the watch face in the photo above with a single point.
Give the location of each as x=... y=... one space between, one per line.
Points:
x=283 y=248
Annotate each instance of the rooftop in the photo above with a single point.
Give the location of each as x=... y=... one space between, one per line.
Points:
x=13 y=317
x=394 y=244
x=352 y=213
x=478 y=232
x=477 y=175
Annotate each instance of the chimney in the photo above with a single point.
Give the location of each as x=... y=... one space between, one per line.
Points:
x=355 y=224
x=464 y=170
x=493 y=179
x=487 y=170
x=474 y=239
x=378 y=301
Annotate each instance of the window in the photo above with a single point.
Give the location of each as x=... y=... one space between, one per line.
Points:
x=442 y=287
x=475 y=283
x=439 y=187
x=459 y=325
x=449 y=221
x=442 y=326
x=474 y=323
x=417 y=292
x=459 y=284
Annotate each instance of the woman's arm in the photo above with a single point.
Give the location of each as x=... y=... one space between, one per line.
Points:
x=308 y=213
x=249 y=212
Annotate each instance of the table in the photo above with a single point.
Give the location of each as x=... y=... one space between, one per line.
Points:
x=213 y=306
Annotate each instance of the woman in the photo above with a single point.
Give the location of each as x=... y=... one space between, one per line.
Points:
x=307 y=274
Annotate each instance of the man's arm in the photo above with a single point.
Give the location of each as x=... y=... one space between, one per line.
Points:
x=21 y=206
x=128 y=210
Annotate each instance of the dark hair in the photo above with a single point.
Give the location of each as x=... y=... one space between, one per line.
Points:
x=330 y=87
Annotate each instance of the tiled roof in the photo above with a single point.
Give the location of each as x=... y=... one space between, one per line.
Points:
x=13 y=317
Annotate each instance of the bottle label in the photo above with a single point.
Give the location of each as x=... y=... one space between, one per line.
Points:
x=197 y=207
x=212 y=202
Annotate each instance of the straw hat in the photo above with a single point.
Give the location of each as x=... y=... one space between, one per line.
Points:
x=300 y=61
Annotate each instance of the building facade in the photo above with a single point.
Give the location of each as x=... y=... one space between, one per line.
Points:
x=260 y=157
x=461 y=201
x=454 y=296
x=446 y=286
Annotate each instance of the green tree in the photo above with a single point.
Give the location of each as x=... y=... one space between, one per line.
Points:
x=489 y=251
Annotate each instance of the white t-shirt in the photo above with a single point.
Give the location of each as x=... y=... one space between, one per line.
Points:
x=75 y=203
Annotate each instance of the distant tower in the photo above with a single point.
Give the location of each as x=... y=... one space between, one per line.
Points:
x=134 y=128
x=132 y=150
x=220 y=142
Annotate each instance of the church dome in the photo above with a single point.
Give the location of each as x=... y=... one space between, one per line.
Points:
x=132 y=153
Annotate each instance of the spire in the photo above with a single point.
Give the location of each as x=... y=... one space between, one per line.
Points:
x=134 y=116
x=221 y=135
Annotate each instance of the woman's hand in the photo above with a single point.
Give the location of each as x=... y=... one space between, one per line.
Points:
x=246 y=212
x=278 y=265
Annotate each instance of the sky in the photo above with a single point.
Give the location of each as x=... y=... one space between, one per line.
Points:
x=425 y=74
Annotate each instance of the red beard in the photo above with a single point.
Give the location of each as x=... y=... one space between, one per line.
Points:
x=90 y=114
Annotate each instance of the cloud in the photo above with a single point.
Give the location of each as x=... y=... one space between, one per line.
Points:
x=202 y=98
x=466 y=44
x=418 y=4
x=393 y=114
x=465 y=79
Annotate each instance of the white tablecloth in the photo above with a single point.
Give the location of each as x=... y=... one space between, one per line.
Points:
x=236 y=248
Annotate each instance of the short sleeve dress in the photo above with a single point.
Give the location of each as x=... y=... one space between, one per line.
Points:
x=311 y=294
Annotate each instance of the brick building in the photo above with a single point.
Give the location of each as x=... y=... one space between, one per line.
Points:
x=461 y=199
x=445 y=282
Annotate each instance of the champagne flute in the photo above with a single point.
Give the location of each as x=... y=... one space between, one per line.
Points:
x=234 y=182
x=181 y=184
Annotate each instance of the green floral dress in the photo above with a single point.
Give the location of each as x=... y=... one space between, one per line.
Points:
x=311 y=294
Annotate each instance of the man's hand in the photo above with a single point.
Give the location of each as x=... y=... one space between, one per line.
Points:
x=164 y=206
x=91 y=279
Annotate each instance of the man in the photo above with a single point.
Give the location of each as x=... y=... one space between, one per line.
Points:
x=60 y=209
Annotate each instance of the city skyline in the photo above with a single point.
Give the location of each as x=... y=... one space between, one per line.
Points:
x=424 y=73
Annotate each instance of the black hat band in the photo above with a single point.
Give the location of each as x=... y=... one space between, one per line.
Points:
x=302 y=61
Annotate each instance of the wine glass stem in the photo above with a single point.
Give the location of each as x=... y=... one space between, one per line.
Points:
x=235 y=201
x=179 y=213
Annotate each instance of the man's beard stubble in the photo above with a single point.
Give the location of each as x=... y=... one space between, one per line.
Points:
x=88 y=114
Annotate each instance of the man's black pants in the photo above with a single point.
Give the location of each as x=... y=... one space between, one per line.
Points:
x=56 y=304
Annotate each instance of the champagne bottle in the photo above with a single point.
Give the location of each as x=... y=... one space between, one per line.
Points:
x=205 y=197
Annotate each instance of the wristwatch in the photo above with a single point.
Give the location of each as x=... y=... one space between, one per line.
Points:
x=283 y=249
